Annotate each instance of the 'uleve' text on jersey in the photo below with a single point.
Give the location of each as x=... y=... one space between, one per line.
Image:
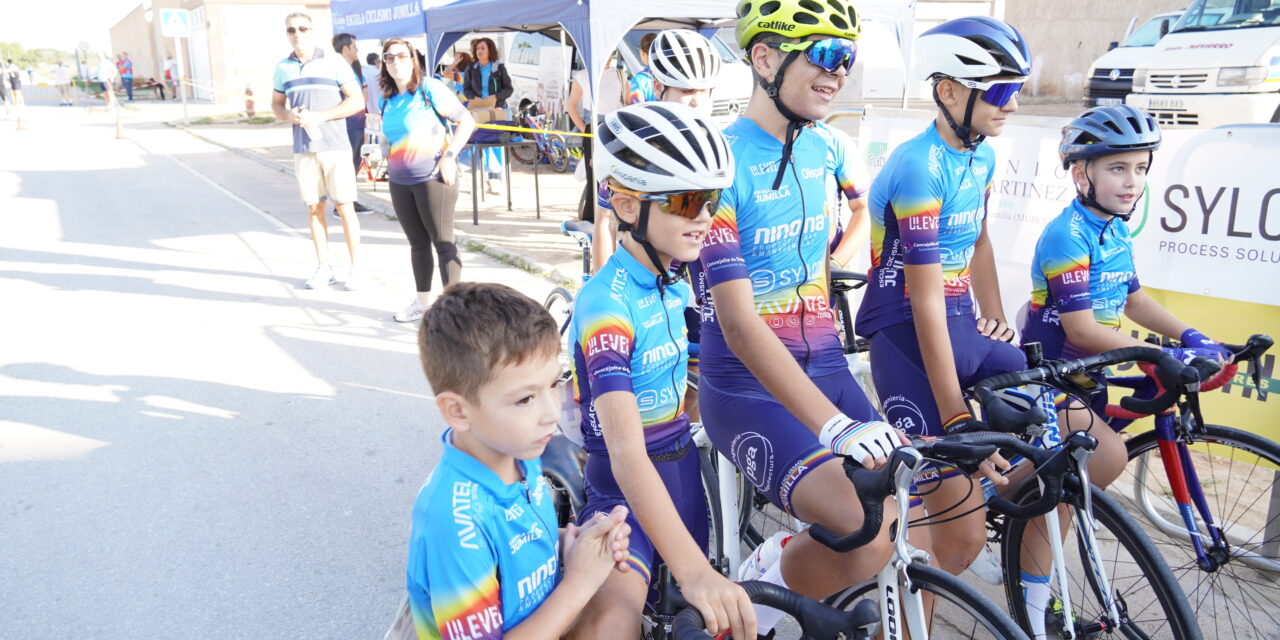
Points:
x=483 y=554
x=628 y=335
x=1081 y=262
x=927 y=206
x=776 y=239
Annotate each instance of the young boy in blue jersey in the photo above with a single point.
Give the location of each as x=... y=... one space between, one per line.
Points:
x=665 y=166
x=1084 y=279
x=776 y=394
x=484 y=552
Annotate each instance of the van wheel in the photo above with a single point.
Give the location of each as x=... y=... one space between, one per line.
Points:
x=1275 y=117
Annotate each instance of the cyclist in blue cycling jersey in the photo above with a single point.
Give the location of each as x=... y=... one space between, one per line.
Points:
x=777 y=396
x=666 y=166
x=484 y=554
x=929 y=248
x=1083 y=274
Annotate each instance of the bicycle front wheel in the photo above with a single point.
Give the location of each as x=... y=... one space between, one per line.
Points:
x=1238 y=470
x=525 y=153
x=958 y=612
x=558 y=153
x=1148 y=600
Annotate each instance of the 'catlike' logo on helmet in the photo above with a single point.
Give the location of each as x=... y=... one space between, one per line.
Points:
x=776 y=24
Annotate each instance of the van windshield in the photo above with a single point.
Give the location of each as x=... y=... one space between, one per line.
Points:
x=1221 y=15
x=1148 y=34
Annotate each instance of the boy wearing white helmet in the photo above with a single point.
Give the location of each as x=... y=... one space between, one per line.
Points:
x=666 y=166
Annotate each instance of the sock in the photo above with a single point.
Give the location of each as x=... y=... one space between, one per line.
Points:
x=767 y=617
x=1036 y=593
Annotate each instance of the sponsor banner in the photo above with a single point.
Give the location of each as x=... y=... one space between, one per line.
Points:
x=1206 y=236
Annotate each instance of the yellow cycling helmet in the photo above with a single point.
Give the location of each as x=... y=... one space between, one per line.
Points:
x=796 y=19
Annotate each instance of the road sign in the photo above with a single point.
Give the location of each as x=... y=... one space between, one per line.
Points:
x=175 y=23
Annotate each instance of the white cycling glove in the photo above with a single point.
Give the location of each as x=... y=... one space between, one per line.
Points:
x=859 y=440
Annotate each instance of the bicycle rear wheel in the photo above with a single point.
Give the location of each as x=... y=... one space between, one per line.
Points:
x=959 y=611
x=1148 y=598
x=1238 y=475
x=526 y=153
x=558 y=153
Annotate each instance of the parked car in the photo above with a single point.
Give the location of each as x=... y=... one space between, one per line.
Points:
x=1111 y=76
x=1210 y=71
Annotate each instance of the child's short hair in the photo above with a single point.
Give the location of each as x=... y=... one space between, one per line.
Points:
x=473 y=327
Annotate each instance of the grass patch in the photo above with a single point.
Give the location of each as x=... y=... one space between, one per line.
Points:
x=205 y=120
x=519 y=263
x=261 y=120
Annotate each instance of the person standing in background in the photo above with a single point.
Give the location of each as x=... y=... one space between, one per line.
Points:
x=488 y=84
x=15 y=83
x=126 y=74
x=107 y=78
x=373 y=82
x=313 y=91
x=641 y=87
x=62 y=80
x=171 y=75
x=345 y=45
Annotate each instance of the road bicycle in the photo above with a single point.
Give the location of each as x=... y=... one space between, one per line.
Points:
x=1211 y=495
x=1108 y=578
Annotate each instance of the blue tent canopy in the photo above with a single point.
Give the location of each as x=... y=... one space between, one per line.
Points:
x=377 y=19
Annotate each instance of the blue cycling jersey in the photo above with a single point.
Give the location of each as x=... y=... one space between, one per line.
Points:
x=776 y=239
x=483 y=554
x=846 y=176
x=628 y=335
x=927 y=206
x=1081 y=262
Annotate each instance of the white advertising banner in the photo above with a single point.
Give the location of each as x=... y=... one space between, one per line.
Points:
x=1210 y=224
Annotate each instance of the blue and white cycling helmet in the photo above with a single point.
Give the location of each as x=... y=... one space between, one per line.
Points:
x=968 y=50
x=1102 y=131
x=684 y=59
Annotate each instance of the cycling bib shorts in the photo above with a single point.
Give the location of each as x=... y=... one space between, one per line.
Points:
x=927 y=206
x=683 y=481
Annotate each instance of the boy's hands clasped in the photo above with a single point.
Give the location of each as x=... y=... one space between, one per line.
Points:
x=596 y=548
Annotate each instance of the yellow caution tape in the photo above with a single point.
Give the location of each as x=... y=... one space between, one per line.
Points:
x=503 y=127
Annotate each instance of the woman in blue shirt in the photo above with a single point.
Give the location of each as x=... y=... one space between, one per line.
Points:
x=487 y=78
x=422 y=165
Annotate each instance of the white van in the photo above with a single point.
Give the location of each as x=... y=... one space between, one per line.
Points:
x=1111 y=76
x=1224 y=72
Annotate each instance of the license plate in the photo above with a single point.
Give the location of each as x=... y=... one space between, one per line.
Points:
x=1108 y=102
x=1167 y=103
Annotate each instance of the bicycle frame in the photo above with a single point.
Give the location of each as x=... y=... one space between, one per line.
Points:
x=894 y=574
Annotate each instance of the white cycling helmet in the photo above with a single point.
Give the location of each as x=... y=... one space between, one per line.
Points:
x=664 y=146
x=972 y=48
x=684 y=59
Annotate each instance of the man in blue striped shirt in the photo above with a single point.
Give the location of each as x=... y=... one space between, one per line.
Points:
x=316 y=93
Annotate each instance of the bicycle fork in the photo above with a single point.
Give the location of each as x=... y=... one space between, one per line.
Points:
x=1182 y=476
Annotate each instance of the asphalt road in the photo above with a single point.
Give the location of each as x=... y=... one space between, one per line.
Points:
x=192 y=445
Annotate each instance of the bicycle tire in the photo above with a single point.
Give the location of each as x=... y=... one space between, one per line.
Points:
x=525 y=153
x=558 y=153
x=952 y=596
x=1251 y=581
x=559 y=304
x=587 y=203
x=1153 y=583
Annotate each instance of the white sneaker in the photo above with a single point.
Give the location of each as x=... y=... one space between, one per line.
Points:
x=354 y=280
x=411 y=313
x=323 y=277
x=987 y=566
x=754 y=566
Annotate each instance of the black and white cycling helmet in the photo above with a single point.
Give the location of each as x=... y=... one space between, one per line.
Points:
x=972 y=48
x=684 y=59
x=1103 y=131
x=664 y=146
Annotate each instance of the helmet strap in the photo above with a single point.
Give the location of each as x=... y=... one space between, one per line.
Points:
x=965 y=131
x=638 y=231
x=794 y=122
x=1090 y=199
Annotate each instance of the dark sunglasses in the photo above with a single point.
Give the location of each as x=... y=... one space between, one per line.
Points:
x=293 y=30
x=686 y=204
x=996 y=93
x=828 y=54
x=393 y=57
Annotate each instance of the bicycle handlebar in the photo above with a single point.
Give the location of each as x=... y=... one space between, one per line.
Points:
x=1174 y=377
x=816 y=619
x=1252 y=349
x=872 y=488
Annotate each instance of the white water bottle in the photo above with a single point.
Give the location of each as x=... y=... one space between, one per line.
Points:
x=313 y=131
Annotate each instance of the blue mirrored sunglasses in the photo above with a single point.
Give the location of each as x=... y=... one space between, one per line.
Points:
x=996 y=93
x=828 y=54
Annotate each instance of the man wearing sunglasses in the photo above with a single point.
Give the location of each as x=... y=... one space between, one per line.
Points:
x=316 y=93
x=931 y=259
x=666 y=165
x=775 y=391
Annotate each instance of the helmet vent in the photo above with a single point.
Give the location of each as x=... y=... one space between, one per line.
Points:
x=810 y=5
x=743 y=10
x=806 y=18
x=769 y=8
x=1113 y=126
x=839 y=22
x=969 y=61
x=1133 y=122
